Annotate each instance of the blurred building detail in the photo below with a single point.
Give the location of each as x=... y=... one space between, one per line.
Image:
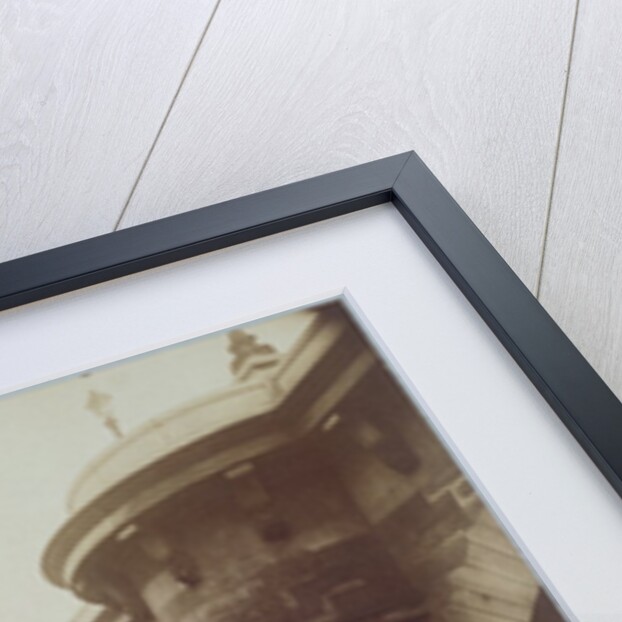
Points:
x=99 y=404
x=309 y=491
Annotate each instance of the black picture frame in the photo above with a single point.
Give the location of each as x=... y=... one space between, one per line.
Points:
x=572 y=388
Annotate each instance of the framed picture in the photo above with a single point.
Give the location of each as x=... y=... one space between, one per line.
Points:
x=328 y=402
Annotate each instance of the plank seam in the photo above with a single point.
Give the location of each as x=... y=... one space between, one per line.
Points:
x=547 y=218
x=166 y=116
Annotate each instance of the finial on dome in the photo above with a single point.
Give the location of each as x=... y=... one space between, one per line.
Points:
x=249 y=355
x=99 y=404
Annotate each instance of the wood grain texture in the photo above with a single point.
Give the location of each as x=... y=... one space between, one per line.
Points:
x=582 y=275
x=282 y=91
x=84 y=87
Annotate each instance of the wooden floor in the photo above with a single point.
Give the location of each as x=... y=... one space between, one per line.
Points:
x=116 y=113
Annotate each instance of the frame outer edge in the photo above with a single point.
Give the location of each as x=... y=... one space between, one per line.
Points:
x=573 y=389
x=192 y=233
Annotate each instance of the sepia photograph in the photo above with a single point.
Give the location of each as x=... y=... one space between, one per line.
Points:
x=274 y=472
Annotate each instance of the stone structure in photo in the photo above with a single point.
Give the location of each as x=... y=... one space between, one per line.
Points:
x=311 y=490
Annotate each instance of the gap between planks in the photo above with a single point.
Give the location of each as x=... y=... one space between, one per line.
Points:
x=547 y=218
x=167 y=114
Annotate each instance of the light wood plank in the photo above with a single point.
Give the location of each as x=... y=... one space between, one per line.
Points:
x=282 y=91
x=84 y=87
x=582 y=276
